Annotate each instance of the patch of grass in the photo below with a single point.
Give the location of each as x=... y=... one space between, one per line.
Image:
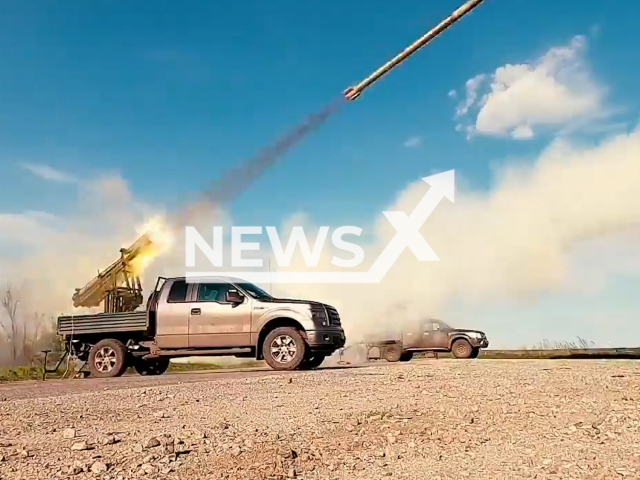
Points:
x=555 y=345
x=190 y=367
x=20 y=373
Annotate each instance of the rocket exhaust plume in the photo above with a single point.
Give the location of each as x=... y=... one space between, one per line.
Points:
x=239 y=179
x=232 y=183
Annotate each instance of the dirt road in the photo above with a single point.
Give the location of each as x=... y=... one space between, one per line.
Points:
x=38 y=389
x=429 y=419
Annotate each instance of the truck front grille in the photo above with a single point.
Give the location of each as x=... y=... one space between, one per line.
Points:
x=333 y=315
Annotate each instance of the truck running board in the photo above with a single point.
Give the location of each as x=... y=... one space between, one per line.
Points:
x=196 y=352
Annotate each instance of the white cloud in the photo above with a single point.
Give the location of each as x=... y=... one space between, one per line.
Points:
x=25 y=229
x=555 y=91
x=522 y=132
x=413 y=142
x=452 y=94
x=47 y=172
x=472 y=85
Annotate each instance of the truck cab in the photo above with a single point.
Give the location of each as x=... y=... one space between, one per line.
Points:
x=211 y=316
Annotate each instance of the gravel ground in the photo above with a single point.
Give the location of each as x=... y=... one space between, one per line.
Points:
x=432 y=419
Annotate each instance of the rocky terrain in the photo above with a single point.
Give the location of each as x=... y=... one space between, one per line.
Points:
x=434 y=419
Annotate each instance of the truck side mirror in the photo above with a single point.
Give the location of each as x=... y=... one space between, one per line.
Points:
x=234 y=296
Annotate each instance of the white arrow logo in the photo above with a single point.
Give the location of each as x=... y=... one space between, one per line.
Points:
x=407 y=235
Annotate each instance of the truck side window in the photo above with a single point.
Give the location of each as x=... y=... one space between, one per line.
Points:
x=178 y=292
x=213 y=292
x=208 y=292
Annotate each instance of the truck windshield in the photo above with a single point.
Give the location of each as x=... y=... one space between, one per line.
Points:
x=255 y=292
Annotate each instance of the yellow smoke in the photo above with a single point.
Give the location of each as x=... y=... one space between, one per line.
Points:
x=161 y=239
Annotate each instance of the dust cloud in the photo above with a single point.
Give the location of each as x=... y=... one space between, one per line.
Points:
x=49 y=256
x=513 y=242
x=64 y=254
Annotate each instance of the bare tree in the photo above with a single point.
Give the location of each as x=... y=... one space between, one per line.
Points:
x=24 y=334
x=11 y=327
x=32 y=336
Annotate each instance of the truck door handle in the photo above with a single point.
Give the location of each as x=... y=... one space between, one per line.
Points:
x=196 y=311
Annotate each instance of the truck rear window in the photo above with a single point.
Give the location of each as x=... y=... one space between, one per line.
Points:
x=178 y=292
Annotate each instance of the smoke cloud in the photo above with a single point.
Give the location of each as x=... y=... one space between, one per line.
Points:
x=48 y=256
x=514 y=242
x=237 y=180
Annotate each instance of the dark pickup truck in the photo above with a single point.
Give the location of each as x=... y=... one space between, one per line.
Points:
x=218 y=316
x=428 y=336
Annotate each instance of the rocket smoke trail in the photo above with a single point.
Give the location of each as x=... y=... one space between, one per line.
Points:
x=239 y=179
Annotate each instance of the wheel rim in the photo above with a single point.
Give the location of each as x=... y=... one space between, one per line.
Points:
x=105 y=359
x=283 y=349
x=461 y=349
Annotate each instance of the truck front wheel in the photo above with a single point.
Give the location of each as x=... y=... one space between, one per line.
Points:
x=151 y=367
x=393 y=353
x=284 y=348
x=108 y=358
x=461 y=349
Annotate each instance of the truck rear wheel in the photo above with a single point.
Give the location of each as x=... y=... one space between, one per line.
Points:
x=406 y=356
x=108 y=358
x=393 y=353
x=151 y=367
x=461 y=349
x=284 y=348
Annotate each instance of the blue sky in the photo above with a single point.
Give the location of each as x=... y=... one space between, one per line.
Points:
x=170 y=94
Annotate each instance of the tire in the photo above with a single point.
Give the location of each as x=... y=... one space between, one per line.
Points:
x=406 y=357
x=475 y=352
x=108 y=358
x=148 y=368
x=393 y=353
x=461 y=349
x=284 y=348
x=312 y=362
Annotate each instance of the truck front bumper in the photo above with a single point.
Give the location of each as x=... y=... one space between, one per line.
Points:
x=479 y=342
x=326 y=340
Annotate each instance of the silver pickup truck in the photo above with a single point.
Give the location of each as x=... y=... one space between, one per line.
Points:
x=219 y=316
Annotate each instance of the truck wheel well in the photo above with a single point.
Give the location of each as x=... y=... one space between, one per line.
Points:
x=272 y=325
x=457 y=337
x=85 y=342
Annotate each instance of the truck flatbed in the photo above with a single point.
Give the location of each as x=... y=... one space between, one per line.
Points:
x=101 y=323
